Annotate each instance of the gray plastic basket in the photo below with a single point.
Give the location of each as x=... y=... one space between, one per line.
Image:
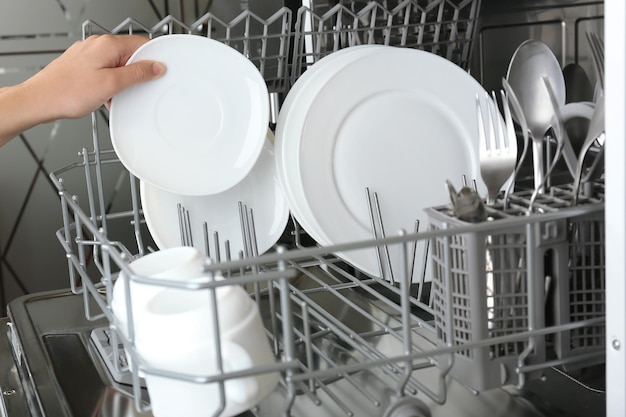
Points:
x=517 y=273
x=490 y=290
x=577 y=276
x=579 y=293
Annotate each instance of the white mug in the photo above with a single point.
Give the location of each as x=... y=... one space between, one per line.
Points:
x=176 y=333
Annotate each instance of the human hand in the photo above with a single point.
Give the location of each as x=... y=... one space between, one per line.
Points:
x=88 y=74
x=79 y=81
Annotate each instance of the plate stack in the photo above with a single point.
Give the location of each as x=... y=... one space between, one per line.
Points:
x=198 y=140
x=393 y=121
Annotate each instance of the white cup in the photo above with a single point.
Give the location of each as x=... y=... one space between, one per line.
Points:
x=178 y=263
x=176 y=333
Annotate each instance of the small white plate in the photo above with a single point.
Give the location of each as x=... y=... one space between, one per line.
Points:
x=200 y=128
x=259 y=191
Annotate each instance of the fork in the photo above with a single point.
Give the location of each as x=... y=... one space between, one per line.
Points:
x=596 y=44
x=497 y=143
x=512 y=103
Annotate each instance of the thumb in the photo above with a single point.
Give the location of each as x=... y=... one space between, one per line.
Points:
x=138 y=72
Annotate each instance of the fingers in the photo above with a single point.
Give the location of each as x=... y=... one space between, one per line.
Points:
x=113 y=49
x=135 y=73
x=126 y=45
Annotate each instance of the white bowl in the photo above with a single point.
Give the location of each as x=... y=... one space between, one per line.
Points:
x=176 y=333
x=178 y=263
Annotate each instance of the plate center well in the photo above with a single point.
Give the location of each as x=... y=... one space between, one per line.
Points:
x=396 y=143
x=181 y=125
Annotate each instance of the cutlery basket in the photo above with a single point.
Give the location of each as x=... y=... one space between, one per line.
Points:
x=579 y=294
x=514 y=274
x=577 y=275
x=483 y=289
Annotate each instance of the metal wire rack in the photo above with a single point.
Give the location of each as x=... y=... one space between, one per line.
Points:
x=445 y=28
x=325 y=319
x=265 y=42
x=327 y=322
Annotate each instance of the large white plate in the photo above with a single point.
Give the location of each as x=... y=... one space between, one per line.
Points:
x=197 y=130
x=399 y=122
x=259 y=191
x=292 y=116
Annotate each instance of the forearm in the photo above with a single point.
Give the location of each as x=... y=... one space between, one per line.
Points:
x=18 y=111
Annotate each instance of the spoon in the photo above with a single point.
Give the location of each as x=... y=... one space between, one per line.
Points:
x=596 y=128
x=563 y=147
x=578 y=88
x=518 y=114
x=531 y=63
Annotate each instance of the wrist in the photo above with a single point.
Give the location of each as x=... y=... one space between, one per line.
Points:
x=38 y=106
x=22 y=107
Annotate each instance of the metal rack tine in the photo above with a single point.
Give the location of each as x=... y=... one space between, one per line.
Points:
x=378 y=231
x=184 y=223
x=251 y=248
x=216 y=244
x=205 y=235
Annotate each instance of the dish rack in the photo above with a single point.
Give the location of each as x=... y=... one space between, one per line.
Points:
x=485 y=319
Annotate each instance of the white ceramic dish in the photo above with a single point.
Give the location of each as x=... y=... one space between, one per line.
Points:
x=399 y=122
x=293 y=115
x=259 y=190
x=176 y=263
x=187 y=318
x=200 y=128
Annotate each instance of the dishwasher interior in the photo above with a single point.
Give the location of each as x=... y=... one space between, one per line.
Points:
x=508 y=321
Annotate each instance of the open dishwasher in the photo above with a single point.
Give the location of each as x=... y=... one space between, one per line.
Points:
x=481 y=336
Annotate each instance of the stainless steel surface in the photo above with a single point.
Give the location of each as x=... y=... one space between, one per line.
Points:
x=69 y=379
x=57 y=364
x=519 y=116
x=564 y=148
x=578 y=86
x=597 y=53
x=596 y=128
x=564 y=151
x=13 y=401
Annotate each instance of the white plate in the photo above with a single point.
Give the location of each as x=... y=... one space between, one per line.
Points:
x=259 y=191
x=293 y=114
x=200 y=128
x=399 y=122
